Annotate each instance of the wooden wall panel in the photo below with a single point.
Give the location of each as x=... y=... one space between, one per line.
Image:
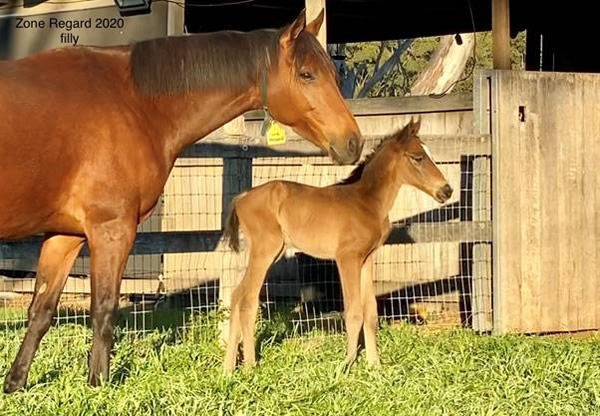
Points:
x=545 y=142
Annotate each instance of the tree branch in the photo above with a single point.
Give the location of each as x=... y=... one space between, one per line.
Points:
x=390 y=63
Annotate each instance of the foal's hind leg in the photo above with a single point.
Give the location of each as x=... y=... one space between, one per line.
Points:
x=369 y=304
x=245 y=297
x=349 y=266
x=56 y=259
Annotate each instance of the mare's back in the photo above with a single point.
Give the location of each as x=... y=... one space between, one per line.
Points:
x=61 y=77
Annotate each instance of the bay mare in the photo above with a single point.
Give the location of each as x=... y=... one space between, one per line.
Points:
x=345 y=222
x=89 y=135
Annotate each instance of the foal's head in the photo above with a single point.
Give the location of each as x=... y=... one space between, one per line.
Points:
x=402 y=158
x=416 y=164
x=303 y=93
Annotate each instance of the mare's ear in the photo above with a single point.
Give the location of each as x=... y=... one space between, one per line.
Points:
x=314 y=26
x=291 y=32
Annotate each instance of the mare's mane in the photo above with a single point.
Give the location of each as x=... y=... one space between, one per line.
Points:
x=221 y=60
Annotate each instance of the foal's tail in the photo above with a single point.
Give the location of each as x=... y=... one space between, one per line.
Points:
x=231 y=233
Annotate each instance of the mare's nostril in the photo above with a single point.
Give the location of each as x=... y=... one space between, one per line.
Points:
x=353 y=145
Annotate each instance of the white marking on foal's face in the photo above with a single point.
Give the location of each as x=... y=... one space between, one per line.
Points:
x=428 y=153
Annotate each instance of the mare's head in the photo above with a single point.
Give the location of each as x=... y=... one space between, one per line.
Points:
x=303 y=92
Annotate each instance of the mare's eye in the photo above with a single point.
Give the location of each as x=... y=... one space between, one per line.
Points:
x=307 y=76
x=417 y=158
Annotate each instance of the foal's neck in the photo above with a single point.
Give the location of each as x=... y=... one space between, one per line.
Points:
x=381 y=182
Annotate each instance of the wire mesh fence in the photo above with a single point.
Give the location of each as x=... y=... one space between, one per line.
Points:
x=434 y=270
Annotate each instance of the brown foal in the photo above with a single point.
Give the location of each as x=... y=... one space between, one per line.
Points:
x=346 y=222
x=89 y=135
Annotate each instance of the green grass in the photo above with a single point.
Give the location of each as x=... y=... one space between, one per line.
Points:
x=424 y=373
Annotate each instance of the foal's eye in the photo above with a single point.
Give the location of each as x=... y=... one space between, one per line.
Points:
x=306 y=76
x=417 y=158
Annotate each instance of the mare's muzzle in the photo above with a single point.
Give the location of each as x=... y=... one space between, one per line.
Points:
x=444 y=193
x=348 y=153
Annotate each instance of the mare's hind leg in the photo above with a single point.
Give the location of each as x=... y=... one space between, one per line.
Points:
x=369 y=304
x=56 y=259
x=349 y=266
x=110 y=243
x=264 y=250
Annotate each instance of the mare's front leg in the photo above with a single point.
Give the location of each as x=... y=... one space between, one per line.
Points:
x=349 y=266
x=110 y=242
x=56 y=259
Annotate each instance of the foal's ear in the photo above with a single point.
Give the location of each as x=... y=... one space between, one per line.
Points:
x=414 y=126
x=314 y=26
x=291 y=32
x=410 y=130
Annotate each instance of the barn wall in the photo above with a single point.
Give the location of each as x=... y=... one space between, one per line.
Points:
x=545 y=129
x=31 y=29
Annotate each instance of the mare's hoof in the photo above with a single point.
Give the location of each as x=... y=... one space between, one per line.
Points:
x=13 y=383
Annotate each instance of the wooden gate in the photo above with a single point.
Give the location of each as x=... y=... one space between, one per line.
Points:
x=545 y=130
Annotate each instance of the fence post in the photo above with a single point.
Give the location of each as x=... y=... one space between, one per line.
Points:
x=237 y=178
x=482 y=252
x=313 y=8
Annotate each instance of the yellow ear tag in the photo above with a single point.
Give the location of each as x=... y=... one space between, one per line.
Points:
x=275 y=134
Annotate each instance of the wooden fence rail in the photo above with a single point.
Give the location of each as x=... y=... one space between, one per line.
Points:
x=444 y=147
x=206 y=241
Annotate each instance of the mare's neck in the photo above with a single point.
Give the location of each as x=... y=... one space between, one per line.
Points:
x=189 y=117
x=192 y=85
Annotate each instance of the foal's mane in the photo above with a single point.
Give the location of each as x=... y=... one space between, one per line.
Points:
x=226 y=60
x=357 y=172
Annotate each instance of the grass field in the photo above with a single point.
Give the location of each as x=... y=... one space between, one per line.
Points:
x=424 y=372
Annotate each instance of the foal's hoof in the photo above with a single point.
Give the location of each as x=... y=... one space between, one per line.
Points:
x=374 y=364
x=348 y=363
x=13 y=383
x=344 y=367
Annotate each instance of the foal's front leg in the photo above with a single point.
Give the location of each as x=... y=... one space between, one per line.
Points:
x=110 y=243
x=369 y=304
x=349 y=266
